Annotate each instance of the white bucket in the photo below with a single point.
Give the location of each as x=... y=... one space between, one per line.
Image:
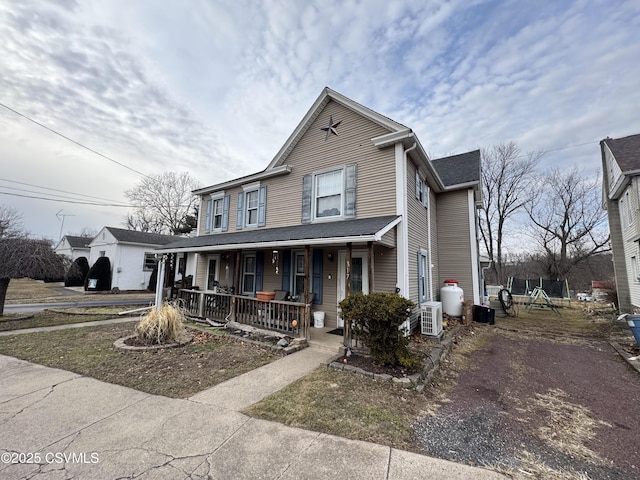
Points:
x=318 y=319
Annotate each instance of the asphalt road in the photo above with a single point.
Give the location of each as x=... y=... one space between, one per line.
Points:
x=38 y=307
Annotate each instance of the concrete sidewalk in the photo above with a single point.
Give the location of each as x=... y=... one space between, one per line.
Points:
x=73 y=426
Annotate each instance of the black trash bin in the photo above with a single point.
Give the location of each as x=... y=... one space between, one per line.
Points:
x=482 y=314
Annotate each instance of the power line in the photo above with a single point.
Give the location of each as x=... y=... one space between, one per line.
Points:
x=66 y=201
x=73 y=141
x=41 y=193
x=53 y=190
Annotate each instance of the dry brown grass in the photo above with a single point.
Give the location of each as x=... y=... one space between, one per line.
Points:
x=567 y=426
x=159 y=327
x=576 y=321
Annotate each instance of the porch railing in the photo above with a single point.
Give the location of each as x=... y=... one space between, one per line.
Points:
x=292 y=318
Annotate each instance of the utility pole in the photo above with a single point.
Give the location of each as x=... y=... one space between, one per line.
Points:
x=63 y=215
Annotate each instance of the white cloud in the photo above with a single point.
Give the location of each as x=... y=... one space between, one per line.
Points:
x=215 y=88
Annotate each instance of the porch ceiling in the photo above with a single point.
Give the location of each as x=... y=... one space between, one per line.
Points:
x=325 y=233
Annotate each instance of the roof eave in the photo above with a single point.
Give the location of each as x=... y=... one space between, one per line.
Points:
x=265 y=174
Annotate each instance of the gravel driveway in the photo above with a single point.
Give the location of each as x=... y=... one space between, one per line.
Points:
x=541 y=408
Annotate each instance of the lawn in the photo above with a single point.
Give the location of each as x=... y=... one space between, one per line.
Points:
x=360 y=408
x=25 y=290
x=178 y=373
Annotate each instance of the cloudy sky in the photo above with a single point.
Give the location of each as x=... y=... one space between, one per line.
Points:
x=215 y=87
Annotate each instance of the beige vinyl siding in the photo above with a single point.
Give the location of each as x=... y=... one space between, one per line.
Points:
x=375 y=180
x=417 y=229
x=454 y=253
x=385 y=264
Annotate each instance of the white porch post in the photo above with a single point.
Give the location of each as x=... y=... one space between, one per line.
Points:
x=160 y=282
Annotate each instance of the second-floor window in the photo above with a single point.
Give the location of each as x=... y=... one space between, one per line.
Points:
x=252 y=207
x=329 y=194
x=217 y=214
x=328 y=190
x=251 y=215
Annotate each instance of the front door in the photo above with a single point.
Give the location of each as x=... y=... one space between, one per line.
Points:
x=359 y=276
x=212 y=272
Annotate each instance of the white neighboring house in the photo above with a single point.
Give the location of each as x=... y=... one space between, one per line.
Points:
x=73 y=247
x=131 y=255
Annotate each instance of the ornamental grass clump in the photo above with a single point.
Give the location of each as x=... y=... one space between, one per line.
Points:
x=377 y=318
x=160 y=327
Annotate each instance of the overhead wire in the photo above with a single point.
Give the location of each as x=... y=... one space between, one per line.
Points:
x=73 y=141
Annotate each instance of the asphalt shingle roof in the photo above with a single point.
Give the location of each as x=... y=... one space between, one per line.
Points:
x=458 y=169
x=626 y=151
x=131 y=236
x=78 y=242
x=346 y=228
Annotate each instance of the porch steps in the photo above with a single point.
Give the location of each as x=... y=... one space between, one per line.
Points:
x=336 y=349
x=325 y=342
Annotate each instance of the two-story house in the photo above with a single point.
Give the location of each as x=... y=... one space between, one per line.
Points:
x=621 y=199
x=350 y=203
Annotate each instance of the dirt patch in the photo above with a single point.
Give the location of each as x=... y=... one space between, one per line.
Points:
x=550 y=409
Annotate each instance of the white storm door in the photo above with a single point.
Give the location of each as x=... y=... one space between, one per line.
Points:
x=359 y=276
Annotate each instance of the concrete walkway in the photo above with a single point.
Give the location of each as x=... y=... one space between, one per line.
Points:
x=63 y=425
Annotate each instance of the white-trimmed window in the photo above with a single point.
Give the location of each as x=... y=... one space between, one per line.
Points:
x=423 y=276
x=251 y=213
x=634 y=269
x=252 y=204
x=626 y=214
x=217 y=213
x=328 y=194
x=149 y=262
x=422 y=190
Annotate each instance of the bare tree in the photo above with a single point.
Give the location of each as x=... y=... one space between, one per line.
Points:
x=506 y=176
x=10 y=221
x=163 y=202
x=86 y=232
x=22 y=257
x=569 y=223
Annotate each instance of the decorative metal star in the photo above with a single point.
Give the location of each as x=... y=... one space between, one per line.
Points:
x=331 y=128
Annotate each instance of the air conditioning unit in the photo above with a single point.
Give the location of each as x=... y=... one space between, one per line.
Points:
x=431 y=318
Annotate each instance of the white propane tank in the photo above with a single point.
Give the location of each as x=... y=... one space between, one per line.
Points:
x=452 y=297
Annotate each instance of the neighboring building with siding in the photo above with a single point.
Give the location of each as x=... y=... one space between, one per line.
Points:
x=349 y=183
x=621 y=199
x=73 y=247
x=132 y=255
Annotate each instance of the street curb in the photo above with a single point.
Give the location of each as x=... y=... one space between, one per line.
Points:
x=626 y=355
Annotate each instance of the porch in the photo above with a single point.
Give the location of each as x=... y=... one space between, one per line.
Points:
x=291 y=318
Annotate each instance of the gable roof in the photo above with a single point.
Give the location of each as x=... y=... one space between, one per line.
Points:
x=359 y=230
x=323 y=99
x=459 y=169
x=132 y=236
x=78 y=242
x=626 y=151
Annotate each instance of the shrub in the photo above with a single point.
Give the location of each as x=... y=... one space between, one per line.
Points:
x=77 y=273
x=100 y=271
x=377 y=318
x=161 y=327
